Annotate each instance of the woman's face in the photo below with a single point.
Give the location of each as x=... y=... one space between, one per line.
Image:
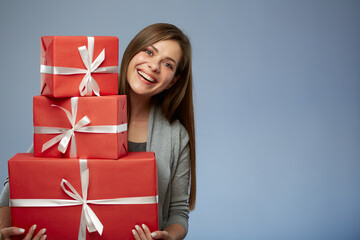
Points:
x=152 y=70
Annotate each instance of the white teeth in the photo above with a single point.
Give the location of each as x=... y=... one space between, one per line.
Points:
x=147 y=77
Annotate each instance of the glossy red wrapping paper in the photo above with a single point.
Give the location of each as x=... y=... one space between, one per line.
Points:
x=62 y=51
x=39 y=178
x=104 y=110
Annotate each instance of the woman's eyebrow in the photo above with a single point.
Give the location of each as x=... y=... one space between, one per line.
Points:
x=157 y=51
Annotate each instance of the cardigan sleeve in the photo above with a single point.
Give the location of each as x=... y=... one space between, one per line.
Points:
x=5 y=195
x=170 y=142
x=179 y=206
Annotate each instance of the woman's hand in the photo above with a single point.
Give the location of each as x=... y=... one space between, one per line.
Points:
x=145 y=234
x=7 y=233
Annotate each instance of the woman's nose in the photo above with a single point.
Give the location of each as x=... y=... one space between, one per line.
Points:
x=154 y=65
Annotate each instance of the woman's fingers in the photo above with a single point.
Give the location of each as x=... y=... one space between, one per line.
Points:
x=12 y=231
x=146 y=231
x=160 y=235
x=136 y=234
x=40 y=235
x=6 y=233
x=142 y=233
x=30 y=232
x=43 y=237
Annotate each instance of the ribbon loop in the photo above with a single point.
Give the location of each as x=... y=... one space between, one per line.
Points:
x=84 y=53
x=64 y=142
x=68 y=114
x=73 y=193
x=98 y=61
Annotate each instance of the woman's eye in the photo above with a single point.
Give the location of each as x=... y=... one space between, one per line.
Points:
x=149 y=52
x=168 y=65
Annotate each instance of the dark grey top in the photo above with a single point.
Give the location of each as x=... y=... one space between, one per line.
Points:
x=136 y=147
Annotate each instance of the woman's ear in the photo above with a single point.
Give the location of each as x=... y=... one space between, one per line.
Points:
x=173 y=81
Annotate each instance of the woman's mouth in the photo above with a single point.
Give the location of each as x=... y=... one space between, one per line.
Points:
x=145 y=76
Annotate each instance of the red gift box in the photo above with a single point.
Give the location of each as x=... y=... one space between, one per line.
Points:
x=129 y=184
x=80 y=127
x=78 y=66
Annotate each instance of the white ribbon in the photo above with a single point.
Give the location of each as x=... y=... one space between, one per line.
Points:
x=88 y=83
x=88 y=219
x=65 y=134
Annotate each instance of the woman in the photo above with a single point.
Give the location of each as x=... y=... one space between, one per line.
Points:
x=156 y=76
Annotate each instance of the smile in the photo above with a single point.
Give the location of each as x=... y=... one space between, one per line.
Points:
x=146 y=77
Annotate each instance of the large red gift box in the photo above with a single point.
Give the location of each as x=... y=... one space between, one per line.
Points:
x=130 y=181
x=80 y=127
x=74 y=65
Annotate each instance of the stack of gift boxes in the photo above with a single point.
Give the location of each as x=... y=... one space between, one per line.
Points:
x=80 y=182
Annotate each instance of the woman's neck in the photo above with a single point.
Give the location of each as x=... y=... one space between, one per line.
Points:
x=138 y=125
x=140 y=107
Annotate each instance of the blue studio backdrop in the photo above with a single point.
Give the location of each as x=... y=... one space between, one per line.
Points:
x=277 y=104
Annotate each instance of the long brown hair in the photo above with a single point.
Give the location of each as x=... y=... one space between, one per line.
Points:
x=176 y=102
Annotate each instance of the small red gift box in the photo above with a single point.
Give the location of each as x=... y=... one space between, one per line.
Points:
x=78 y=66
x=80 y=127
x=51 y=193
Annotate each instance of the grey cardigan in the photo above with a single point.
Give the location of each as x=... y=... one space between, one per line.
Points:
x=170 y=142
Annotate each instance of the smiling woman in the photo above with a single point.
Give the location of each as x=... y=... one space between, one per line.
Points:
x=156 y=74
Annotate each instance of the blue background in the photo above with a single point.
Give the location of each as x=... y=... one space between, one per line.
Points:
x=276 y=97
